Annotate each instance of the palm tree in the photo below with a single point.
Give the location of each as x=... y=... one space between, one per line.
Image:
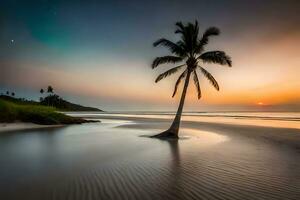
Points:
x=189 y=52
x=50 y=89
x=13 y=94
x=42 y=92
x=7 y=92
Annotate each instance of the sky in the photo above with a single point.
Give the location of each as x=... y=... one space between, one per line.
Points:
x=99 y=53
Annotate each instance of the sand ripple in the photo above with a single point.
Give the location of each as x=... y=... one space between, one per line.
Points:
x=198 y=174
x=89 y=163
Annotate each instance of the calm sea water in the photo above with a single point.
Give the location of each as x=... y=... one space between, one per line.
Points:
x=271 y=115
x=269 y=119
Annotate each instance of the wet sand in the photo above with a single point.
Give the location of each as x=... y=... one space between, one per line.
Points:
x=112 y=161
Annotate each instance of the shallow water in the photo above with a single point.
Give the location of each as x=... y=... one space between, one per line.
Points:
x=267 y=119
x=106 y=161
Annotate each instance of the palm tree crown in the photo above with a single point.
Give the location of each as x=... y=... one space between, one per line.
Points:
x=50 y=89
x=189 y=51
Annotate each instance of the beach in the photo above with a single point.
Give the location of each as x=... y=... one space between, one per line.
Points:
x=158 y=100
x=239 y=156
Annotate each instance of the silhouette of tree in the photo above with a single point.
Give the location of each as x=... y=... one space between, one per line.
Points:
x=189 y=52
x=41 y=91
x=50 y=89
x=13 y=94
x=7 y=92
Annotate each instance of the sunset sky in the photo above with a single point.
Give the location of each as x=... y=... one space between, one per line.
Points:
x=98 y=53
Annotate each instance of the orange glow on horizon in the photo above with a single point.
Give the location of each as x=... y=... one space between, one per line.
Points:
x=264 y=80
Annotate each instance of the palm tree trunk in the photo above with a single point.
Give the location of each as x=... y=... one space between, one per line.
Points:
x=172 y=132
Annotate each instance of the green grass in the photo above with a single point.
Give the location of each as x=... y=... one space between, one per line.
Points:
x=12 y=112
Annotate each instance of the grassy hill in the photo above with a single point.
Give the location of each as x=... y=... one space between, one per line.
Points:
x=52 y=101
x=63 y=105
x=18 y=100
x=19 y=111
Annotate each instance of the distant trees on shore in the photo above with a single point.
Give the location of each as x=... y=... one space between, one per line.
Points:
x=48 y=99
x=51 y=99
x=50 y=89
x=8 y=93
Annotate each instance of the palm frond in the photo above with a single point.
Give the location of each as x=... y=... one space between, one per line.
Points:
x=165 y=59
x=168 y=73
x=189 y=36
x=180 y=28
x=211 y=79
x=178 y=82
x=196 y=81
x=218 y=57
x=173 y=47
x=212 y=31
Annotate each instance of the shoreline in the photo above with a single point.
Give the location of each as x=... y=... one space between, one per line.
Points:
x=272 y=122
x=22 y=126
x=279 y=135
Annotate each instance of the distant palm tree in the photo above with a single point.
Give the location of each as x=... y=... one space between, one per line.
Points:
x=13 y=94
x=189 y=51
x=42 y=92
x=50 y=89
x=7 y=92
